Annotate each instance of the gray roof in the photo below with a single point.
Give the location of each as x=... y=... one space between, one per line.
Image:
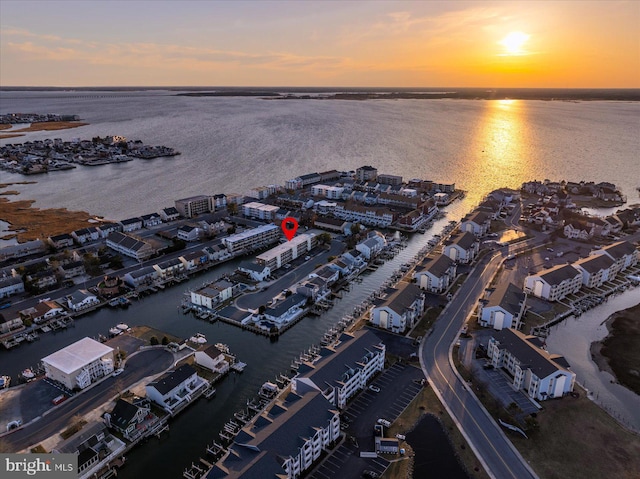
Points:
x=620 y=249
x=171 y=211
x=309 y=176
x=131 y=221
x=170 y=380
x=465 y=240
x=507 y=296
x=525 y=350
x=478 y=217
x=251 y=266
x=293 y=300
x=437 y=266
x=595 y=263
x=558 y=274
x=404 y=298
x=123 y=413
x=336 y=361
x=142 y=272
x=126 y=241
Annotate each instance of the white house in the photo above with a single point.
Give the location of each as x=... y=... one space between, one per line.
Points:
x=142 y=276
x=188 y=233
x=10 y=285
x=80 y=363
x=131 y=224
x=126 y=417
x=401 y=310
x=595 y=269
x=623 y=253
x=257 y=272
x=287 y=310
x=212 y=294
x=175 y=388
x=504 y=307
x=170 y=268
x=81 y=299
x=152 y=219
x=463 y=248
x=343 y=368
x=213 y=359
x=43 y=311
x=540 y=374
x=372 y=246
x=555 y=283
x=169 y=214
x=477 y=223
x=435 y=274
x=85 y=235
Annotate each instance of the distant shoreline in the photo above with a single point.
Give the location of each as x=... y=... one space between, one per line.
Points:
x=364 y=93
x=38 y=126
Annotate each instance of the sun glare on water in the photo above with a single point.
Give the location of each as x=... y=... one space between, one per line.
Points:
x=514 y=43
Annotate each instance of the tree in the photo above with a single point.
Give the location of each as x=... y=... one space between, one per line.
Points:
x=165 y=340
x=324 y=238
x=232 y=209
x=153 y=341
x=262 y=309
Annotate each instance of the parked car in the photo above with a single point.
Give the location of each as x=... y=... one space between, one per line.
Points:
x=384 y=422
x=373 y=388
x=400 y=437
x=117 y=372
x=370 y=474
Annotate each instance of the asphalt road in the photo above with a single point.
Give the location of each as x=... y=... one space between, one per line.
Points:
x=493 y=448
x=254 y=300
x=145 y=363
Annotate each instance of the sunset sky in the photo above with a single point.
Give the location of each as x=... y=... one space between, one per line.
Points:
x=572 y=44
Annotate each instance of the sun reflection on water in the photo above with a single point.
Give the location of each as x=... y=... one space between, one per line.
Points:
x=500 y=138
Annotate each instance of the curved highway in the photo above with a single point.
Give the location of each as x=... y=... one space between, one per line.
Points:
x=494 y=450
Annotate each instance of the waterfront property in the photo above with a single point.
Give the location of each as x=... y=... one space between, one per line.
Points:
x=555 y=283
x=283 y=441
x=286 y=252
x=175 y=388
x=252 y=239
x=259 y=211
x=463 y=248
x=213 y=359
x=343 y=368
x=257 y=272
x=435 y=275
x=503 y=308
x=401 y=309
x=623 y=253
x=79 y=364
x=373 y=245
x=81 y=299
x=595 y=270
x=10 y=285
x=476 y=223
x=214 y=293
x=540 y=374
x=126 y=417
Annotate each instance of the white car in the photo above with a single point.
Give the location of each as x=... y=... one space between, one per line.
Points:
x=375 y=389
x=384 y=422
x=400 y=437
x=117 y=372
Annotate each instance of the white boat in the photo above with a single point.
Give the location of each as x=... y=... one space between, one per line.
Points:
x=122 y=326
x=4 y=382
x=28 y=374
x=198 y=338
x=115 y=331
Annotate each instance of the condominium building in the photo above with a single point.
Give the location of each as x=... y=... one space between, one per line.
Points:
x=259 y=211
x=400 y=310
x=503 y=308
x=555 y=283
x=286 y=252
x=79 y=364
x=252 y=239
x=195 y=205
x=331 y=192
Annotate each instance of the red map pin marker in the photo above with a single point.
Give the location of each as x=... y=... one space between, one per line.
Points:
x=289 y=227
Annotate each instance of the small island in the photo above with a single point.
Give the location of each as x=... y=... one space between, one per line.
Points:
x=37 y=122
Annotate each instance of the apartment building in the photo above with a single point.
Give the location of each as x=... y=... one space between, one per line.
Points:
x=195 y=205
x=555 y=283
x=251 y=239
x=286 y=252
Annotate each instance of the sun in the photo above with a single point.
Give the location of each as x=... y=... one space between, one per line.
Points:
x=514 y=43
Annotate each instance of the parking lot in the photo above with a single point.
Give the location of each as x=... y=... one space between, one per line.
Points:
x=398 y=385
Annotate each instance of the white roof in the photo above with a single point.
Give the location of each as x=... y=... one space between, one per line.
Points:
x=77 y=355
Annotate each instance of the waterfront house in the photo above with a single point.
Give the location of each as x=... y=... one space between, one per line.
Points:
x=595 y=269
x=130 y=246
x=142 y=276
x=580 y=230
x=194 y=259
x=370 y=215
x=188 y=233
x=401 y=310
x=43 y=311
x=540 y=374
x=435 y=275
x=555 y=283
x=86 y=235
x=623 y=253
x=332 y=224
x=152 y=219
x=195 y=205
x=462 y=248
x=283 y=441
x=314 y=288
x=387 y=445
x=94 y=447
x=328 y=274
x=343 y=368
x=10 y=285
x=80 y=364
x=343 y=267
x=477 y=223
x=257 y=272
x=286 y=311
x=372 y=246
x=169 y=268
x=217 y=252
x=175 y=388
x=61 y=241
x=126 y=417
x=21 y=249
x=169 y=214
x=355 y=258
x=503 y=308
x=42 y=279
x=615 y=224
x=10 y=325
x=81 y=299
x=213 y=359
x=213 y=294
x=131 y=224
x=107 y=228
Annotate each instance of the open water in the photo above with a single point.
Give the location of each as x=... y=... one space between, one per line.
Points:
x=232 y=144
